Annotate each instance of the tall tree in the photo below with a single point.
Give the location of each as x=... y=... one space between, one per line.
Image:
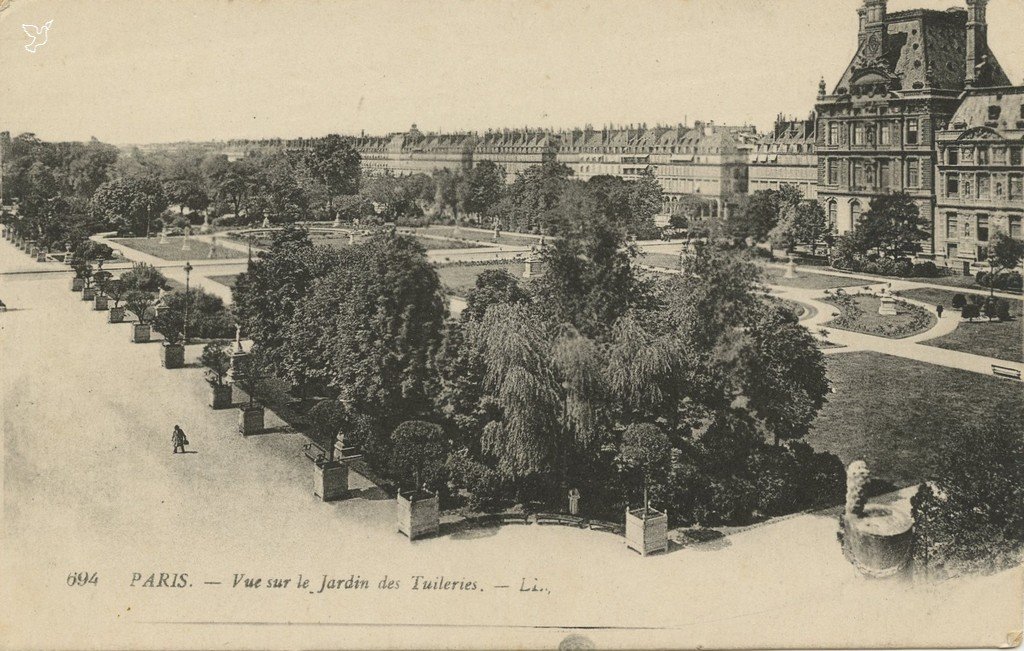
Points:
x=335 y=163
x=130 y=203
x=894 y=225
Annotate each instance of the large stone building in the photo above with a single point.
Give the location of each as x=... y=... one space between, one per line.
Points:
x=876 y=130
x=786 y=156
x=980 y=175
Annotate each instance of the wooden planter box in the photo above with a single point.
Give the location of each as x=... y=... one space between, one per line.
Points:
x=250 y=420
x=40 y=256
x=100 y=303
x=220 y=396
x=77 y=284
x=141 y=333
x=418 y=514
x=172 y=355
x=116 y=315
x=330 y=480
x=646 y=534
x=88 y=293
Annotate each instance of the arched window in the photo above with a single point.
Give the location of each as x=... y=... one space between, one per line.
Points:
x=855 y=213
x=833 y=214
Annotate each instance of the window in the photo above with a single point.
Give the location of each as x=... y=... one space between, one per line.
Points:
x=855 y=212
x=858 y=174
x=984 y=186
x=953 y=156
x=982 y=228
x=885 y=134
x=951 y=226
x=912 y=131
x=982 y=254
x=982 y=155
x=1015 y=231
x=1016 y=186
x=994 y=111
x=951 y=251
x=858 y=134
x=833 y=214
x=884 y=174
x=913 y=173
x=999 y=155
x=952 y=185
x=1015 y=156
x=833 y=171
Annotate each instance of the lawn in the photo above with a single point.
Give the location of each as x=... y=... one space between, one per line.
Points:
x=999 y=339
x=428 y=243
x=507 y=239
x=859 y=313
x=805 y=280
x=227 y=280
x=171 y=249
x=459 y=279
x=666 y=260
x=894 y=412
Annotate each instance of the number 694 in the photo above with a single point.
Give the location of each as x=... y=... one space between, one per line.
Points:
x=78 y=579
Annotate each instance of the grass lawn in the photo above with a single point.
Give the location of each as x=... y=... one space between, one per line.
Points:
x=507 y=239
x=999 y=339
x=227 y=280
x=171 y=250
x=860 y=314
x=893 y=412
x=667 y=260
x=459 y=279
x=805 y=280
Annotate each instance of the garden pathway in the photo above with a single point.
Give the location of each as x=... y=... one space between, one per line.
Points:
x=90 y=484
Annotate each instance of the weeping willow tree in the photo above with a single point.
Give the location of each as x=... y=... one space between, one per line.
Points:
x=645 y=370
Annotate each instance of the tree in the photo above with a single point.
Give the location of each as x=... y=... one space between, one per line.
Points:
x=645 y=201
x=335 y=163
x=645 y=449
x=130 y=203
x=969 y=516
x=1004 y=253
x=419 y=450
x=492 y=286
x=970 y=312
x=894 y=225
x=187 y=194
x=485 y=184
x=217 y=362
x=143 y=277
x=760 y=212
x=138 y=303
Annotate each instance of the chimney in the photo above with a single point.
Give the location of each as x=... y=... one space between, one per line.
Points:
x=873 y=15
x=977 y=41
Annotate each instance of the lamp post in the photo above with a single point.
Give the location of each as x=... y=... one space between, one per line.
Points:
x=184 y=323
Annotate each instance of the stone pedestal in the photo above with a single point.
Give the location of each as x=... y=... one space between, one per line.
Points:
x=116 y=315
x=330 y=480
x=878 y=542
x=141 y=333
x=790 y=269
x=646 y=532
x=250 y=420
x=419 y=514
x=534 y=267
x=100 y=303
x=221 y=396
x=888 y=306
x=172 y=355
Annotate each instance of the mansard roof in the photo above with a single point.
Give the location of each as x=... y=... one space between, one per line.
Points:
x=923 y=49
x=990 y=112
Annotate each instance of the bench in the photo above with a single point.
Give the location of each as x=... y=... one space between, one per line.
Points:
x=314 y=452
x=560 y=518
x=1006 y=371
x=514 y=518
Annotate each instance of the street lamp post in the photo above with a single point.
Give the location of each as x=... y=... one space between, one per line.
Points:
x=184 y=323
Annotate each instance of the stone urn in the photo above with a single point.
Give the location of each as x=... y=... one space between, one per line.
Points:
x=646 y=530
x=418 y=513
x=172 y=355
x=141 y=333
x=116 y=315
x=877 y=538
x=250 y=419
x=100 y=303
x=221 y=396
x=77 y=284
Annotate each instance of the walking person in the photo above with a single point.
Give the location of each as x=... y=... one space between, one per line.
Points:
x=178 y=439
x=938 y=310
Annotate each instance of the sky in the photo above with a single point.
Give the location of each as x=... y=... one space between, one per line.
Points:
x=139 y=71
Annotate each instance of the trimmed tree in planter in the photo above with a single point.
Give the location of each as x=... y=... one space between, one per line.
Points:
x=102 y=280
x=646 y=450
x=115 y=290
x=419 y=451
x=251 y=414
x=330 y=472
x=83 y=276
x=169 y=323
x=139 y=303
x=217 y=361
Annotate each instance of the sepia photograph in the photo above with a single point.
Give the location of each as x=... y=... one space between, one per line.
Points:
x=511 y=324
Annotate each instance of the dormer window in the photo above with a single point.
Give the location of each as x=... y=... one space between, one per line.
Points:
x=994 y=111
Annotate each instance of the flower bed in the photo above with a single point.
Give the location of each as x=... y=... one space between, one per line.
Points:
x=859 y=313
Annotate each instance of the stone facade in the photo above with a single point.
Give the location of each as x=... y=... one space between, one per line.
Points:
x=787 y=156
x=980 y=176
x=876 y=130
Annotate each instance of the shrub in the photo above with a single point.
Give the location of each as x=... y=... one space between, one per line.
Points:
x=217 y=362
x=926 y=269
x=870 y=267
x=207 y=316
x=981 y=278
x=1003 y=310
x=326 y=419
x=991 y=309
x=959 y=301
x=228 y=220
x=487 y=490
x=758 y=252
x=419 y=450
x=970 y=312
